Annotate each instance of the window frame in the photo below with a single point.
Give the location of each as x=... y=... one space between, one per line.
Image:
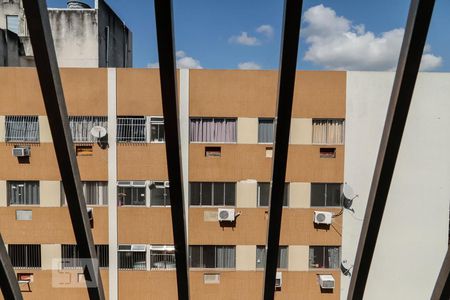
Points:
x=138 y=184
x=152 y=121
x=166 y=251
x=121 y=139
x=131 y=250
x=9 y=187
x=262 y=249
x=102 y=198
x=85 y=120
x=235 y=119
x=160 y=184
x=325 y=196
x=273 y=130
x=31 y=124
x=202 y=262
x=7 y=23
x=286 y=196
x=213 y=184
x=325 y=257
x=340 y=120
x=26 y=252
x=73 y=250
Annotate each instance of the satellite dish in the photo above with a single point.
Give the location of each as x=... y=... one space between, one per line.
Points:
x=348 y=191
x=346 y=268
x=98 y=132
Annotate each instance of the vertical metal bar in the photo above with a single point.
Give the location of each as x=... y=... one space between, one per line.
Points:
x=166 y=53
x=442 y=287
x=419 y=18
x=286 y=83
x=50 y=81
x=8 y=281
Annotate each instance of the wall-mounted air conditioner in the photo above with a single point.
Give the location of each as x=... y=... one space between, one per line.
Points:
x=21 y=151
x=322 y=217
x=226 y=214
x=326 y=281
x=166 y=184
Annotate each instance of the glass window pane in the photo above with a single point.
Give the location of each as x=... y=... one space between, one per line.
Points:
x=265 y=131
x=194 y=193
x=139 y=196
x=219 y=193
x=283 y=257
x=206 y=193
x=260 y=256
x=209 y=257
x=263 y=194
x=317 y=194
x=286 y=195
x=12 y=23
x=333 y=194
x=195 y=256
x=316 y=257
x=230 y=193
x=157 y=196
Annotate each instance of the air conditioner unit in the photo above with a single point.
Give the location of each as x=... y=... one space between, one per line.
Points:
x=326 y=281
x=226 y=214
x=166 y=184
x=278 y=280
x=322 y=217
x=21 y=151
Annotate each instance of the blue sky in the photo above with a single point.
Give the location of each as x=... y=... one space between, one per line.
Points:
x=352 y=35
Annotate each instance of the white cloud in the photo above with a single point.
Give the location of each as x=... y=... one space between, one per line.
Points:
x=244 y=39
x=183 y=62
x=153 y=65
x=335 y=43
x=249 y=65
x=266 y=30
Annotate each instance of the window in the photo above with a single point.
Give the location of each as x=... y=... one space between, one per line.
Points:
x=131 y=192
x=213 y=130
x=80 y=127
x=12 y=23
x=25 y=256
x=70 y=256
x=265 y=130
x=282 y=257
x=324 y=257
x=327 y=152
x=159 y=193
x=132 y=257
x=213 y=151
x=156 y=129
x=328 y=131
x=23 y=192
x=212 y=256
x=162 y=257
x=95 y=193
x=131 y=129
x=22 y=129
x=326 y=194
x=84 y=150
x=264 y=191
x=213 y=193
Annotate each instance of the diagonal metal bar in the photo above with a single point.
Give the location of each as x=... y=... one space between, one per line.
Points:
x=286 y=84
x=8 y=281
x=167 y=72
x=55 y=106
x=442 y=287
x=419 y=18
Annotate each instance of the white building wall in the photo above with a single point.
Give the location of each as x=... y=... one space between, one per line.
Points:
x=413 y=236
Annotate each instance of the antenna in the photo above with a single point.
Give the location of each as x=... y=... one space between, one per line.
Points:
x=98 y=131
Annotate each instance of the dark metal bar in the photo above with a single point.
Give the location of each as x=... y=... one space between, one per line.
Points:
x=442 y=287
x=167 y=73
x=419 y=18
x=50 y=81
x=286 y=84
x=8 y=280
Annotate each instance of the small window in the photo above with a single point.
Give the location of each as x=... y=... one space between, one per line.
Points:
x=222 y=257
x=12 y=23
x=131 y=129
x=22 y=129
x=85 y=150
x=132 y=257
x=80 y=127
x=23 y=192
x=264 y=192
x=212 y=193
x=327 y=257
x=157 y=130
x=213 y=151
x=162 y=257
x=326 y=194
x=70 y=256
x=213 y=130
x=327 y=152
x=328 y=131
x=95 y=193
x=24 y=215
x=282 y=257
x=131 y=193
x=25 y=256
x=269 y=152
x=160 y=193
x=265 y=131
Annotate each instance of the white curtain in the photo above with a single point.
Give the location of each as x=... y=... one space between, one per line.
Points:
x=213 y=130
x=328 y=131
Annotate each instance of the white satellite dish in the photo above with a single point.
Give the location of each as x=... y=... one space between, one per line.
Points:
x=348 y=192
x=98 y=132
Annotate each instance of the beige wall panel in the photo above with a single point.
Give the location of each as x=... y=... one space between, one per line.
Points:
x=246 y=193
x=50 y=193
x=2 y=129
x=94 y=167
x=48 y=253
x=245 y=257
x=3 y=194
x=299 y=194
x=45 y=136
x=298 y=258
x=141 y=162
x=247 y=131
x=301 y=131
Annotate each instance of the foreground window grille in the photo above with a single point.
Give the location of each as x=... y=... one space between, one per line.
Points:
x=131 y=193
x=328 y=131
x=222 y=257
x=95 y=193
x=156 y=129
x=80 y=127
x=23 y=192
x=70 y=256
x=213 y=193
x=162 y=257
x=25 y=256
x=261 y=253
x=265 y=131
x=159 y=193
x=131 y=129
x=132 y=257
x=264 y=192
x=327 y=257
x=326 y=194
x=22 y=129
x=213 y=130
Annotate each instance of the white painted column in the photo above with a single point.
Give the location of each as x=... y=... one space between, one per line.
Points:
x=184 y=140
x=112 y=183
x=2 y=129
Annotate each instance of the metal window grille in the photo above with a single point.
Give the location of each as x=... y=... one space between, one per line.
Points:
x=162 y=259
x=327 y=257
x=80 y=127
x=328 y=131
x=70 y=256
x=264 y=191
x=326 y=194
x=95 y=193
x=131 y=129
x=23 y=192
x=22 y=129
x=25 y=256
x=222 y=257
x=132 y=257
x=261 y=253
x=212 y=193
x=157 y=129
x=159 y=194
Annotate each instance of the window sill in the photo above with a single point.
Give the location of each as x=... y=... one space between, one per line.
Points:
x=214 y=143
x=212 y=269
x=25 y=205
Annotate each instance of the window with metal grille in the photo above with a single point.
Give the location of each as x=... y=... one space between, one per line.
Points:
x=22 y=129
x=212 y=193
x=328 y=131
x=25 y=256
x=265 y=130
x=131 y=129
x=95 y=193
x=159 y=193
x=326 y=194
x=156 y=129
x=23 y=192
x=327 y=257
x=213 y=130
x=70 y=256
x=80 y=127
x=162 y=257
x=282 y=257
x=222 y=257
x=131 y=193
x=132 y=257
x=264 y=192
